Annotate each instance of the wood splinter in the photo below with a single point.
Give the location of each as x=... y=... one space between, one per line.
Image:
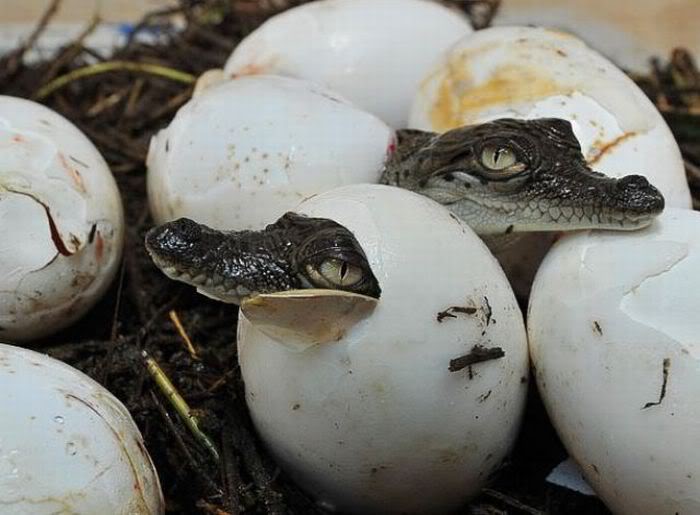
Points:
x=478 y=354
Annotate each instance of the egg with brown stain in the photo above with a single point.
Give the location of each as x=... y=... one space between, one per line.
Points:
x=613 y=331
x=61 y=221
x=524 y=72
x=412 y=408
x=67 y=444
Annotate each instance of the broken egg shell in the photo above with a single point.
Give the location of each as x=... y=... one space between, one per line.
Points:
x=526 y=72
x=243 y=153
x=61 y=221
x=618 y=363
x=361 y=422
x=303 y=318
x=373 y=52
x=67 y=445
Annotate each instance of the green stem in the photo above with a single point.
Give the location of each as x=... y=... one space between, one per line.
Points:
x=110 y=66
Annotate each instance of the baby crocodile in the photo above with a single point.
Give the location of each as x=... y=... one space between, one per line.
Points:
x=503 y=176
x=519 y=175
x=293 y=253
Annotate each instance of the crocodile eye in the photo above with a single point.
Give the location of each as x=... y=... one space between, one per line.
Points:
x=336 y=273
x=498 y=158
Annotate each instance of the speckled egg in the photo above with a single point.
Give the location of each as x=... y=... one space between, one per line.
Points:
x=242 y=153
x=415 y=407
x=67 y=445
x=61 y=221
x=374 y=52
x=613 y=328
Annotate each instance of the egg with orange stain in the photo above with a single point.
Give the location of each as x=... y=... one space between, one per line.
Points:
x=525 y=72
x=61 y=221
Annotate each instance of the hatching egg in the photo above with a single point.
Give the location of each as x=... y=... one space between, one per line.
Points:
x=374 y=52
x=67 y=445
x=61 y=221
x=613 y=329
x=526 y=72
x=242 y=153
x=413 y=408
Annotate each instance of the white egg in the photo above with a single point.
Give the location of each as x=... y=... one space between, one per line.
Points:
x=61 y=221
x=374 y=52
x=613 y=328
x=525 y=72
x=244 y=152
x=67 y=445
x=376 y=422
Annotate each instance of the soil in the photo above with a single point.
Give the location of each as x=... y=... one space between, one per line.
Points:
x=120 y=111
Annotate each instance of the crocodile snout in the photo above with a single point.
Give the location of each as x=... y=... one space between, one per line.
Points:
x=636 y=194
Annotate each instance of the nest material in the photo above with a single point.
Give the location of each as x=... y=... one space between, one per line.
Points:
x=143 y=311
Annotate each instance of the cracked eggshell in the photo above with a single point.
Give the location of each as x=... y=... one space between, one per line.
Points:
x=67 y=445
x=525 y=72
x=362 y=422
x=242 y=153
x=374 y=52
x=613 y=329
x=61 y=221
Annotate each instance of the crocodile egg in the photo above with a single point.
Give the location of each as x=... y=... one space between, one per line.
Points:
x=61 y=228
x=242 y=153
x=362 y=423
x=525 y=72
x=374 y=52
x=613 y=328
x=67 y=445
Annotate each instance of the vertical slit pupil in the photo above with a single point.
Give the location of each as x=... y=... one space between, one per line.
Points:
x=499 y=153
x=343 y=270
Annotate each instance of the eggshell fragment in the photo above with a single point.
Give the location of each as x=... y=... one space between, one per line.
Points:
x=67 y=445
x=364 y=422
x=525 y=72
x=242 y=153
x=613 y=325
x=302 y=318
x=61 y=221
x=374 y=52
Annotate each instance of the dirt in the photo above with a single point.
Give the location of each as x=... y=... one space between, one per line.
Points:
x=120 y=111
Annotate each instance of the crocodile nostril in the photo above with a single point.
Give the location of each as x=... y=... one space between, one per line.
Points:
x=633 y=182
x=636 y=194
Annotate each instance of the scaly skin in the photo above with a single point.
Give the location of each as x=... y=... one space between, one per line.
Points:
x=293 y=253
x=547 y=186
x=499 y=177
